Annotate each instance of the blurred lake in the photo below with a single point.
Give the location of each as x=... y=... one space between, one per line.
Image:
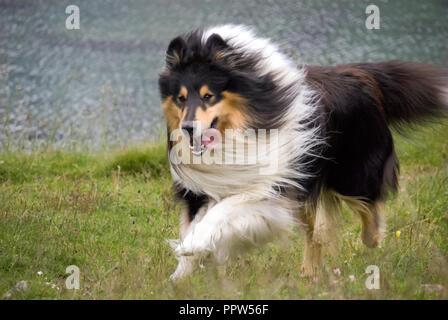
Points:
x=97 y=86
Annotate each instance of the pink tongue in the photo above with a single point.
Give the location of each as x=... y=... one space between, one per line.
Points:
x=207 y=142
x=210 y=137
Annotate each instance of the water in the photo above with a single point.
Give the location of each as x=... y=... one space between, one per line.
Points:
x=97 y=86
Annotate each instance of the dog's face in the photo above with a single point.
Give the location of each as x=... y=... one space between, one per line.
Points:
x=196 y=89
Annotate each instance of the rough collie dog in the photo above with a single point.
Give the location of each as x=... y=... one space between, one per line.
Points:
x=324 y=135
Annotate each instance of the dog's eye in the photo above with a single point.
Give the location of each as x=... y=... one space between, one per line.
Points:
x=207 y=97
x=181 y=98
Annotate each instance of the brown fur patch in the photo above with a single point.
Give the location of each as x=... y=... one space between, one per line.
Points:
x=229 y=110
x=173 y=113
x=312 y=255
x=204 y=90
x=205 y=117
x=232 y=114
x=373 y=225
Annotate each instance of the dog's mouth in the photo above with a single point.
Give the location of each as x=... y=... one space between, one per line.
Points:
x=199 y=144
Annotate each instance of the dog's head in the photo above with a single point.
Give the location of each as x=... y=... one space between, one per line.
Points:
x=197 y=87
x=225 y=78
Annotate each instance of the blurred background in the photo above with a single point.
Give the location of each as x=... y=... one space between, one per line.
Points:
x=96 y=87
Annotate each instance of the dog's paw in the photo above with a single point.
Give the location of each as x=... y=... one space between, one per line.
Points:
x=182 y=250
x=194 y=244
x=185 y=267
x=173 y=243
x=176 y=276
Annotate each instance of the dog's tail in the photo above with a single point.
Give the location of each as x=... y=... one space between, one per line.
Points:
x=409 y=92
x=404 y=92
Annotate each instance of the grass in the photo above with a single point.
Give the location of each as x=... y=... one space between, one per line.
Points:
x=110 y=213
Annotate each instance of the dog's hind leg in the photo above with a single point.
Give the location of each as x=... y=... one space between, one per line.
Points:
x=320 y=223
x=312 y=254
x=373 y=226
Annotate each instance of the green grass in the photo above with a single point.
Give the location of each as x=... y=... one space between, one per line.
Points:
x=110 y=213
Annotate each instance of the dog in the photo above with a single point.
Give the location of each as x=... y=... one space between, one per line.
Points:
x=333 y=142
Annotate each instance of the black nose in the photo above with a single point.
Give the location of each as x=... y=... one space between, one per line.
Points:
x=188 y=127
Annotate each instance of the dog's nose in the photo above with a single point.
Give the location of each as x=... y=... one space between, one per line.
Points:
x=187 y=128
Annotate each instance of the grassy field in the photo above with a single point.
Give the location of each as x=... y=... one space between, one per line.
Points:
x=110 y=213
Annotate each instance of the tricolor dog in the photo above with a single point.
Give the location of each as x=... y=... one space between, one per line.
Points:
x=326 y=129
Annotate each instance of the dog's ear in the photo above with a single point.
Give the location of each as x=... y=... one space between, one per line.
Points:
x=216 y=46
x=175 y=52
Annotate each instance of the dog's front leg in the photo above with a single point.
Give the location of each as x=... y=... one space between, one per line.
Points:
x=185 y=267
x=234 y=223
x=189 y=264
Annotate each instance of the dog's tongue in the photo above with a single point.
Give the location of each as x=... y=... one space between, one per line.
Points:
x=210 y=138
x=207 y=140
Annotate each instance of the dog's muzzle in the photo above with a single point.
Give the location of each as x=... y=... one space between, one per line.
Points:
x=198 y=140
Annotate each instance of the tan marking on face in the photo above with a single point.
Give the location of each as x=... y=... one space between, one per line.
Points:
x=183 y=92
x=231 y=112
x=205 y=117
x=173 y=113
x=204 y=90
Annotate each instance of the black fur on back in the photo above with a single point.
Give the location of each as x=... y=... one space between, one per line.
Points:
x=357 y=103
